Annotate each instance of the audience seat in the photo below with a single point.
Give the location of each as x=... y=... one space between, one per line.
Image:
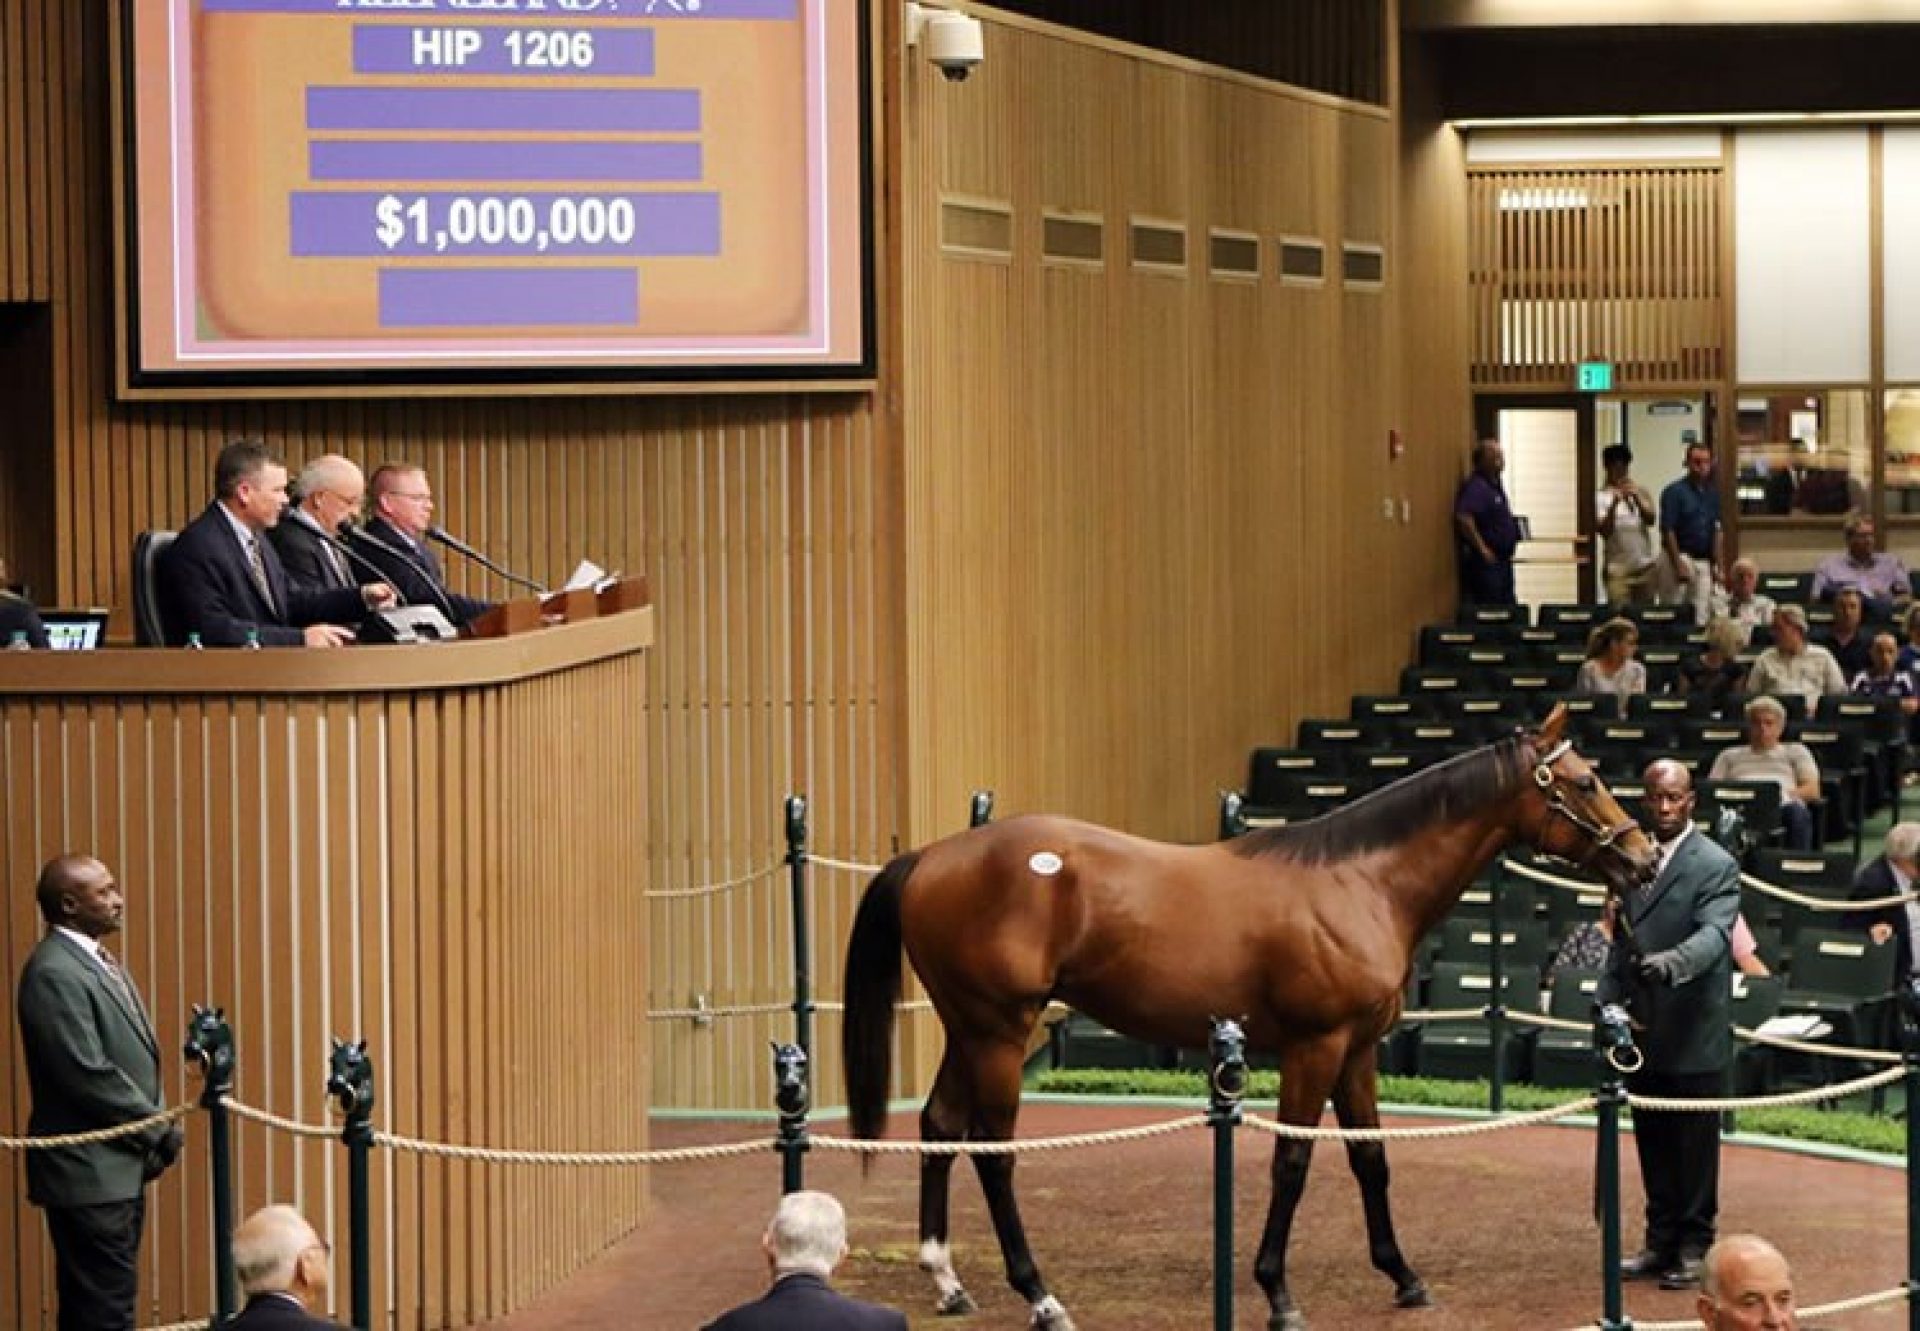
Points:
x=149 y=626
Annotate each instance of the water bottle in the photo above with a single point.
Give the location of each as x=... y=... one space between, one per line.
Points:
x=253 y=640
x=18 y=642
x=194 y=644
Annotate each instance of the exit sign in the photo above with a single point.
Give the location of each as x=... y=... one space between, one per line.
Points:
x=1596 y=376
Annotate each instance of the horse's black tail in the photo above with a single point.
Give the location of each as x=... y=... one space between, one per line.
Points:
x=872 y=988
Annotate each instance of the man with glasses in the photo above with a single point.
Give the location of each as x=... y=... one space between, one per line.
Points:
x=395 y=541
x=331 y=490
x=284 y=1268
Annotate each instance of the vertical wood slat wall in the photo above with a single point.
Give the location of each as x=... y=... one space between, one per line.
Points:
x=339 y=872
x=759 y=520
x=1621 y=264
x=1144 y=509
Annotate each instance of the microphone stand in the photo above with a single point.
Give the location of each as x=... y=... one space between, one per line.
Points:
x=460 y=547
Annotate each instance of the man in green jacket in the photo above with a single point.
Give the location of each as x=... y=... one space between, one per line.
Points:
x=1670 y=966
x=92 y=1062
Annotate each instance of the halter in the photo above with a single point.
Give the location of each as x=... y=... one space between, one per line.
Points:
x=1599 y=835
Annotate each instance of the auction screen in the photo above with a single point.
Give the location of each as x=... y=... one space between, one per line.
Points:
x=511 y=191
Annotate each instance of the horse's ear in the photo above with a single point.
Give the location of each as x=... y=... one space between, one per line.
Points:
x=1551 y=728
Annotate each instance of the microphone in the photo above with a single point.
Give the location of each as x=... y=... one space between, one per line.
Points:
x=365 y=565
x=405 y=557
x=460 y=547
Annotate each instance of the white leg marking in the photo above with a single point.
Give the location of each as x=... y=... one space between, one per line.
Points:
x=936 y=1259
x=1048 y=1312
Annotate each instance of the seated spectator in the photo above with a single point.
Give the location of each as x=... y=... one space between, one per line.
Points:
x=1892 y=874
x=1610 y=667
x=1910 y=653
x=1740 y=600
x=1847 y=637
x=17 y=615
x=1881 y=578
x=1746 y=1285
x=1793 y=665
x=284 y=1269
x=1883 y=677
x=1765 y=758
x=804 y=1242
x=1716 y=669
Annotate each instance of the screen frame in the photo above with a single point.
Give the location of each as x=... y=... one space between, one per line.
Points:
x=136 y=382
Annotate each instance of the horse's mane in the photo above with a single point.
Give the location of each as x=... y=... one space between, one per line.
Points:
x=1389 y=816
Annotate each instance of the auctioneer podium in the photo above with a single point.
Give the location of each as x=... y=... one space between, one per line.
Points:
x=441 y=849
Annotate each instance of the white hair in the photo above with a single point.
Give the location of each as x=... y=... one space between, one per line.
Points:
x=329 y=471
x=267 y=1246
x=1768 y=705
x=808 y=1232
x=1903 y=842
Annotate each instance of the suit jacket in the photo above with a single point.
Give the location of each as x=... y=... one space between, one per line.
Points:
x=303 y=554
x=807 y=1303
x=206 y=588
x=19 y=616
x=1689 y=910
x=1875 y=879
x=266 y=1312
x=92 y=1062
x=414 y=570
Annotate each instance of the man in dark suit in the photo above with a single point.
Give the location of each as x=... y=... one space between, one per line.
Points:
x=1892 y=874
x=307 y=538
x=1674 y=977
x=284 y=1268
x=805 y=1240
x=92 y=1062
x=222 y=581
x=395 y=541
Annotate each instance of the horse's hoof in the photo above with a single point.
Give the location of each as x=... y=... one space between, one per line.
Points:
x=1290 y=1320
x=957 y=1304
x=1413 y=1296
x=1048 y=1315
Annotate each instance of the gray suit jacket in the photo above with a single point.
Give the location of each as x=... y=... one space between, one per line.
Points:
x=1689 y=910
x=92 y=1062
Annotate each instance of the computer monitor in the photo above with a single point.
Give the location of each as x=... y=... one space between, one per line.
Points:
x=75 y=630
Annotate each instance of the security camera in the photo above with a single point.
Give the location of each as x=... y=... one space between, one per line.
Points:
x=955 y=43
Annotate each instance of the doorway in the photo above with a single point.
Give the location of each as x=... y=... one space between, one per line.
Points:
x=1548 y=440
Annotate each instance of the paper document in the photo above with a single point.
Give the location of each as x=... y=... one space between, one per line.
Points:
x=588 y=574
x=1796 y=1026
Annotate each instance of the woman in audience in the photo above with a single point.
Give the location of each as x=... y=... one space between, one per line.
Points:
x=1715 y=670
x=1610 y=667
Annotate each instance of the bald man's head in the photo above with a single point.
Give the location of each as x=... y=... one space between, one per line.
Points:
x=275 y=1251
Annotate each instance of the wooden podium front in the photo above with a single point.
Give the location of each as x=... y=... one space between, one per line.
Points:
x=441 y=849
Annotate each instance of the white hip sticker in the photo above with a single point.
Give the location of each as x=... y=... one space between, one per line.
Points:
x=1045 y=863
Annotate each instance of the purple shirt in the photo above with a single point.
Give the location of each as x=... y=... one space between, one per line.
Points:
x=1883 y=577
x=1485 y=502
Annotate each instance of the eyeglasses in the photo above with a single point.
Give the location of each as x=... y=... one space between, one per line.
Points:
x=417 y=496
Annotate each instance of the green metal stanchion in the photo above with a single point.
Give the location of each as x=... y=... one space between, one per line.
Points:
x=980 y=813
x=802 y=947
x=1496 y=1001
x=210 y=1046
x=350 y=1083
x=1613 y=1044
x=1228 y=1050
x=1910 y=1047
x=791 y=1097
x=1233 y=814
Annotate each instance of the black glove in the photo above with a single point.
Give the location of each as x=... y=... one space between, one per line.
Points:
x=161 y=1155
x=1660 y=967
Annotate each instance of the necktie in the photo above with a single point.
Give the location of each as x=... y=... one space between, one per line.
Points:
x=337 y=562
x=258 y=567
x=118 y=978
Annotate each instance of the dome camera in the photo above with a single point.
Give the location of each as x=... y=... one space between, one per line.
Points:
x=955 y=44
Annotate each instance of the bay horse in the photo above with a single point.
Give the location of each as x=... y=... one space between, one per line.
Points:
x=1305 y=933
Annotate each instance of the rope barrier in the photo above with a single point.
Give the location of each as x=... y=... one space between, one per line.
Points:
x=496 y=1155
x=1444 y=1014
x=847 y=866
x=712 y=889
x=1806 y=1315
x=1551 y=880
x=274 y=1121
x=1824 y=903
x=708 y=1013
x=1304 y=1133
x=1550 y=1023
x=1812 y=1095
x=98 y=1135
x=857 y=1147
x=193 y=1324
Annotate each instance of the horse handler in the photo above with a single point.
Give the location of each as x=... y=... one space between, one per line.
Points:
x=1670 y=965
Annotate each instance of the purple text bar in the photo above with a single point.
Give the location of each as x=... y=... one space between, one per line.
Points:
x=509 y=297
x=508 y=159
x=605 y=11
x=556 y=110
x=453 y=226
x=527 y=51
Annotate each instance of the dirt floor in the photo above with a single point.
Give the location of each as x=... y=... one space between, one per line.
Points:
x=1500 y=1226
